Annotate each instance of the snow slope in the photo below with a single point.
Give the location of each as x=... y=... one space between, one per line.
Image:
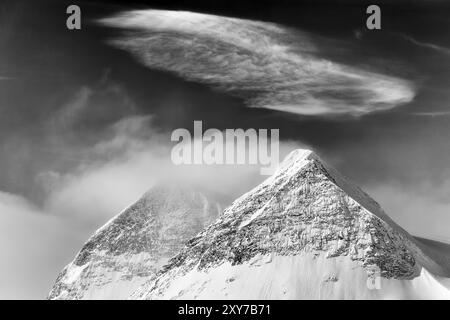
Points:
x=131 y=247
x=304 y=233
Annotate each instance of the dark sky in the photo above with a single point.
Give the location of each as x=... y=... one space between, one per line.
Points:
x=63 y=92
x=43 y=65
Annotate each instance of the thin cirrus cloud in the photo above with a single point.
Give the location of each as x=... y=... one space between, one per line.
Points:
x=432 y=114
x=427 y=45
x=269 y=65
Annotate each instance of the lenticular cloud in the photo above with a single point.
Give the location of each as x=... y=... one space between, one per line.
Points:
x=270 y=66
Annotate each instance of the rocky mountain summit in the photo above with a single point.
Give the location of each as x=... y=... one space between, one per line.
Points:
x=131 y=247
x=305 y=232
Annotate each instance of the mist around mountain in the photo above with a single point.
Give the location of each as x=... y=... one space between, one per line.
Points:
x=304 y=233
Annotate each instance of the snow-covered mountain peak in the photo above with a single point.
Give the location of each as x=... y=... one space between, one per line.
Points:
x=132 y=246
x=304 y=233
x=295 y=160
x=301 y=160
x=287 y=236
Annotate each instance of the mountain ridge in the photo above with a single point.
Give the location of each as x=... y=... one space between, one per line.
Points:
x=305 y=208
x=305 y=232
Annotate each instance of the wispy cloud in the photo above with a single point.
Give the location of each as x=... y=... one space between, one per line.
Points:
x=432 y=113
x=271 y=66
x=427 y=45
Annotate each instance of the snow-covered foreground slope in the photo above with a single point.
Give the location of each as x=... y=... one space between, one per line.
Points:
x=304 y=233
x=304 y=276
x=130 y=248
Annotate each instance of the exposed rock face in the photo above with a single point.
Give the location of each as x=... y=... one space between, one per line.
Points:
x=131 y=247
x=305 y=232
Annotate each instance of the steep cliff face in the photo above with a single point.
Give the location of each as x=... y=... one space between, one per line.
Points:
x=131 y=247
x=305 y=232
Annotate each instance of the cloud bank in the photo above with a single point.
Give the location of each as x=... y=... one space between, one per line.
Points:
x=127 y=163
x=34 y=247
x=271 y=66
x=132 y=156
x=421 y=209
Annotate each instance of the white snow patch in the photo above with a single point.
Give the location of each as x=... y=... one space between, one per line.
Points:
x=293 y=277
x=74 y=272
